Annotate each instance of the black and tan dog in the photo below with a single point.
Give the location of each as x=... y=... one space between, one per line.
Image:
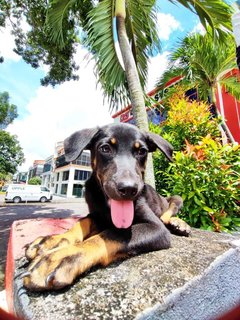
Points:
x=127 y=217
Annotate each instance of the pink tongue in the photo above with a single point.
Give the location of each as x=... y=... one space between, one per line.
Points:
x=122 y=213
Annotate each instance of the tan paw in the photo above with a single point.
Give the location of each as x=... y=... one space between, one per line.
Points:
x=179 y=227
x=55 y=270
x=42 y=245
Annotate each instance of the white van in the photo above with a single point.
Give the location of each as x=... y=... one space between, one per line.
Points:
x=27 y=192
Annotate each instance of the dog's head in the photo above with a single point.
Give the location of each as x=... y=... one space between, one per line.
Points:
x=118 y=155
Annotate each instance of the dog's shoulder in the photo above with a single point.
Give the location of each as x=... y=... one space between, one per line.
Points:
x=155 y=201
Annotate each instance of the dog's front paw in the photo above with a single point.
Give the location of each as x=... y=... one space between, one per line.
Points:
x=179 y=227
x=42 y=245
x=54 y=270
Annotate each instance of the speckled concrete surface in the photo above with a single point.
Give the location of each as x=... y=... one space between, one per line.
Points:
x=125 y=289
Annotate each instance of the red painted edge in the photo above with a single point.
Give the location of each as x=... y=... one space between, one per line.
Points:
x=10 y=266
x=23 y=232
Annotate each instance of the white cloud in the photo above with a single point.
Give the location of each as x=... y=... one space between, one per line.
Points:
x=56 y=113
x=7 y=39
x=7 y=44
x=157 y=65
x=166 y=25
x=199 y=28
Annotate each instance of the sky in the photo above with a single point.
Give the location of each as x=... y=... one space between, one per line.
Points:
x=48 y=115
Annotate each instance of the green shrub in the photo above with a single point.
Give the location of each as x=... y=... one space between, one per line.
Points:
x=188 y=120
x=35 y=180
x=205 y=173
x=207 y=176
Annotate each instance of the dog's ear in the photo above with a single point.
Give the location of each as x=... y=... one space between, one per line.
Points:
x=154 y=142
x=77 y=142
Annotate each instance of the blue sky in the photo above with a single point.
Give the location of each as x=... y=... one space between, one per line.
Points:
x=48 y=115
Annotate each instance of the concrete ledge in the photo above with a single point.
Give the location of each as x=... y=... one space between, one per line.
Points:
x=207 y=296
x=127 y=288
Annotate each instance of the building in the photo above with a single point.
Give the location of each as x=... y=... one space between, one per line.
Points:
x=36 y=170
x=48 y=174
x=227 y=106
x=155 y=115
x=20 y=177
x=66 y=178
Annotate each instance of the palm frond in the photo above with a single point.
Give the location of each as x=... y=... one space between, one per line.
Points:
x=169 y=74
x=142 y=32
x=232 y=85
x=101 y=42
x=215 y=13
x=57 y=13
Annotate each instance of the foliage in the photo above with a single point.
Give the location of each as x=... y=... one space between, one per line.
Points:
x=188 y=120
x=205 y=173
x=203 y=61
x=141 y=31
x=4 y=177
x=8 y=112
x=54 y=43
x=34 y=43
x=35 y=181
x=11 y=155
x=207 y=176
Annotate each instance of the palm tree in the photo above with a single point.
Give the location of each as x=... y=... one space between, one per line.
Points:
x=203 y=62
x=133 y=24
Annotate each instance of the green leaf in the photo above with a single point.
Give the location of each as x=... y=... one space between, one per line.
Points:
x=208 y=209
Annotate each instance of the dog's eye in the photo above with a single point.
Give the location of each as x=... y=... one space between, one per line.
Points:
x=105 y=149
x=142 y=152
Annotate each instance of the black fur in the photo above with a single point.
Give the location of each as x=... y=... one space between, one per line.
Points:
x=119 y=154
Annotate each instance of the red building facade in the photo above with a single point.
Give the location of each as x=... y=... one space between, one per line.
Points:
x=227 y=105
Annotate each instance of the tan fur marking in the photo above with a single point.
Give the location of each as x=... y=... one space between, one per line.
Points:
x=166 y=217
x=101 y=250
x=94 y=163
x=113 y=141
x=137 y=145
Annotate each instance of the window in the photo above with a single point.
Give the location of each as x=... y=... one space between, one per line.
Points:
x=64 y=189
x=81 y=175
x=83 y=160
x=56 y=188
x=58 y=176
x=77 y=190
x=44 y=189
x=65 y=175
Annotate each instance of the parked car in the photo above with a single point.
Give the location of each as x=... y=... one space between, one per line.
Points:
x=21 y=192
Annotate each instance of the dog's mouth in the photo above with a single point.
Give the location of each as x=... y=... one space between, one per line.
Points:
x=121 y=201
x=122 y=213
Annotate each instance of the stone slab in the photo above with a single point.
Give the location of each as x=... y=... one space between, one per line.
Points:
x=125 y=289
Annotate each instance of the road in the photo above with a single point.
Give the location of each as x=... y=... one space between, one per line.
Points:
x=12 y=212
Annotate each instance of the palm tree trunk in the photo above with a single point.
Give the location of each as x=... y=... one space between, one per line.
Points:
x=134 y=85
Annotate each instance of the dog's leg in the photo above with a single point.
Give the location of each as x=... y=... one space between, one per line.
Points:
x=173 y=223
x=80 y=231
x=58 y=268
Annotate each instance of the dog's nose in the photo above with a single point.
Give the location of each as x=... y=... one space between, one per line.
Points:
x=127 y=190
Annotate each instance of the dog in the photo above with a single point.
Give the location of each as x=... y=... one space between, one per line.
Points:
x=127 y=217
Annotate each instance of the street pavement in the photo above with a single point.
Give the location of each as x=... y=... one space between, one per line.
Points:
x=59 y=207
